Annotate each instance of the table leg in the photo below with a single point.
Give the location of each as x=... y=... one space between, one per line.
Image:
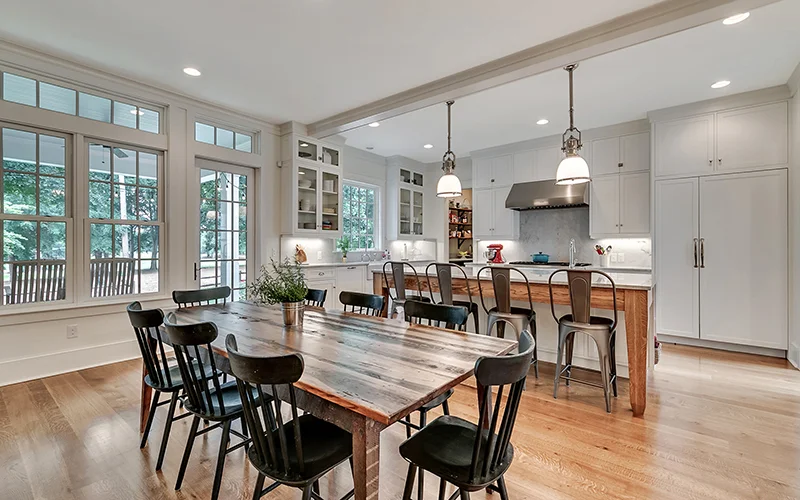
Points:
x=366 y=458
x=147 y=394
x=379 y=289
x=636 y=333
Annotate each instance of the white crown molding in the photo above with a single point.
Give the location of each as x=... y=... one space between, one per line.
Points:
x=794 y=81
x=755 y=97
x=661 y=19
x=83 y=75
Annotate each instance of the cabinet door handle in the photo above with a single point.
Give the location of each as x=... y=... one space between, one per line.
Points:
x=719 y=160
x=619 y=164
x=321 y=273
x=351 y=267
x=711 y=162
x=492 y=180
x=695 y=253
x=702 y=253
x=195 y=271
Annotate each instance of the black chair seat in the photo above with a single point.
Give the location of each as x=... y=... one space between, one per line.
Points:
x=445 y=447
x=437 y=401
x=324 y=447
x=230 y=399
x=595 y=323
x=175 y=382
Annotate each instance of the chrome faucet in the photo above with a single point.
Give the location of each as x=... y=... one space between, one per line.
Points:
x=572 y=252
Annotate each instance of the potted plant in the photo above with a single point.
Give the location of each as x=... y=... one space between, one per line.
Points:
x=281 y=283
x=343 y=245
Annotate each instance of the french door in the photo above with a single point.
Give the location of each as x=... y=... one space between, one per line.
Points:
x=225 y=236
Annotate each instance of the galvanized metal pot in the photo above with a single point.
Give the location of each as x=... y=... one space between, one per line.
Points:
x=292 y=313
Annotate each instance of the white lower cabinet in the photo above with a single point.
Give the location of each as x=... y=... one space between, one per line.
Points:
x=349 y=279
x=721 y=258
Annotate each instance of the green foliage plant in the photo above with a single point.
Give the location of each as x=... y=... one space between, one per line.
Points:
x=278 y=283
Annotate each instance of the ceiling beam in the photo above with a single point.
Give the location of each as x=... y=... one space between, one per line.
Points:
x=661 y=19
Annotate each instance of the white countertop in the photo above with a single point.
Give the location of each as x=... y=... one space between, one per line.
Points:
x=335 y=264
x=549 y=267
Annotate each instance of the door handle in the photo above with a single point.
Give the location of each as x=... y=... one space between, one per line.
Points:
x=695 y=253
x=702 y=253
x=195 y=271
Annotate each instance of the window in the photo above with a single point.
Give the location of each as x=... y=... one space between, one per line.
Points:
x=209 y=134
x=124 y=219
x=359 y=215
x=34 y=215
x=61 y=99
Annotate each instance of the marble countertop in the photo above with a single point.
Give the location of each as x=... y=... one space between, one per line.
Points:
x=374 y=263
x=548 y=267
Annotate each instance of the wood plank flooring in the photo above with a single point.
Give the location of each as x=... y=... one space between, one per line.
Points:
x=718 y=426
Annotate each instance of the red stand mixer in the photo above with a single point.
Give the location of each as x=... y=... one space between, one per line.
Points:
x=493 y=254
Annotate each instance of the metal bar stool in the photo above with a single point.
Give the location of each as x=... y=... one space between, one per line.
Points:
x=398 y=270
x=602 y=330
x=504 y=313
x=444 y=276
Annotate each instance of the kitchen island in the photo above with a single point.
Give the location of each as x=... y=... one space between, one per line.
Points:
x=632 y=299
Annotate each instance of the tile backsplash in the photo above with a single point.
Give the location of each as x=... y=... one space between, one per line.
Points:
x=549 y=231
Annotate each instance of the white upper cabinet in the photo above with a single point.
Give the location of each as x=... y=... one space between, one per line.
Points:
x=605 y=205
x=753 y=137
x=634 y=152
x=634 y=203
x=482 y=172
x=524 y=166
x=606 y=156
x=502 y=171
x=482 y=208
x=506 y=222
x=490 y=217
x=685 y=146
x=546 y=163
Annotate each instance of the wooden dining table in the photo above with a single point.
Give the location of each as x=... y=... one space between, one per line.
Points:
x=362 y=373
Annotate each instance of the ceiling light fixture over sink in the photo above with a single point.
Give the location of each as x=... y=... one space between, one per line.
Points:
x=736 y=19
x=449 y=185
x=573 y=169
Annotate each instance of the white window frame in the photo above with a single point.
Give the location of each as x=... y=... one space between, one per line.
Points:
x=254 y=135
x=68 y=218
x=376 y=235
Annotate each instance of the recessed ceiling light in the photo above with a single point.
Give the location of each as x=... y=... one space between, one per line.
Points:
x=720 y=84
x=375 y=124
x=428 y=146
x=137 y=112
x=192 y=71
x=736 y=19
x=303 y=144
x=543 y=121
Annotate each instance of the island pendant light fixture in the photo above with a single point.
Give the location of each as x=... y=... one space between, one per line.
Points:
x=449 y=185
x=573 y=169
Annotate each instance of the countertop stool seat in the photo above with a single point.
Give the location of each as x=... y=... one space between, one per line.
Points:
x=397 y=269
x=444 y=276
x=503 y=313
x=601 y=329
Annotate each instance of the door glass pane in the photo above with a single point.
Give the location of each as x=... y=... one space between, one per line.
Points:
x=94 y=108
x=148 y=120
x=19 y=89
x=56 y=98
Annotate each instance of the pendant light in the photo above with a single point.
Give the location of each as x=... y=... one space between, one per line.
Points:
x=573 y=169
x=449 y=185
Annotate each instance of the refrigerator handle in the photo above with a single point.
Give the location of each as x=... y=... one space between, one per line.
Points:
x=695 y=253
x=702 y=253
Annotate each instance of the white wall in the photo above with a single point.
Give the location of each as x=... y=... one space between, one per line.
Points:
x=794 y=221
x=34 y=343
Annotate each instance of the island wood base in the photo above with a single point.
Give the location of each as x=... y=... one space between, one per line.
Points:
x=633 y=301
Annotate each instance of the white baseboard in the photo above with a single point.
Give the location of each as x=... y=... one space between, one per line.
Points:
x=723 y=346
x=46 y=365
x=794 y=354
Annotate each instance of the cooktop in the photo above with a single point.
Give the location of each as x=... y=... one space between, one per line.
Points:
x=551 y=263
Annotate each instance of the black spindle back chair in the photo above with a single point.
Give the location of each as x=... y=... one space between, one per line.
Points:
x=203 y=296
x=161 y=377
x=361 y=303
x=316 y=297
x=296 y=452
x=442 y=447
x=206 y=397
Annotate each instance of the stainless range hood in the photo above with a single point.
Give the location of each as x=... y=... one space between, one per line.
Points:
x=546 y=194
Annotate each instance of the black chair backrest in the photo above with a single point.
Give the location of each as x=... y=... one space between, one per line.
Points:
x=444 y=277
x=439 y=315
x=490 y=449
x=398 y=271
x=501 y=286
x=145 y=324
x=316 y=297
x=279 y=373
x=362 y=303
x=204 y=296
x=192 y=346
x=580 y=294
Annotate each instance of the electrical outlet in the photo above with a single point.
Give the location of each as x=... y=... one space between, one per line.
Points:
x=274 y=254
x=319 y=255
x=72 y=331
x=621 y=257
x=613 y=256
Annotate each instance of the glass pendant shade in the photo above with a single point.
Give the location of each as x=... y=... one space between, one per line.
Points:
x=572 y=170
x=449 y=186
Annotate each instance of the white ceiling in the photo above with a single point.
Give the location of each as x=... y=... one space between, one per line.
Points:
x=614 y=88
x=301 y=60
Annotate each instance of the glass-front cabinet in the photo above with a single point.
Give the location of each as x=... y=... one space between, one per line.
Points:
x=316 y=200
x=317 y=152
x=411 y=204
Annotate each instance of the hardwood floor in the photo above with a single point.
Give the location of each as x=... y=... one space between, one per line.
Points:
x=718 y=426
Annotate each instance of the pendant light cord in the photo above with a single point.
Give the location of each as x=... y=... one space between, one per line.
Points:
x=449 y=157
x=571 y=68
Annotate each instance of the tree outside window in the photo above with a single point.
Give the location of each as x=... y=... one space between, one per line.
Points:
x=359 y=214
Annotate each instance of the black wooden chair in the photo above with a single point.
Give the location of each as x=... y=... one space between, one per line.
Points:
x=296 y=453
x=203 y=296
x=206 y=397
x=441 y=316
x=444 y=276
x=316 y=297
x=162 y=377
x=473 y=457
x=361 y=303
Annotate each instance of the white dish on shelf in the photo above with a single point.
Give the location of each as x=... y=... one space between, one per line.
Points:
x=305 y=184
